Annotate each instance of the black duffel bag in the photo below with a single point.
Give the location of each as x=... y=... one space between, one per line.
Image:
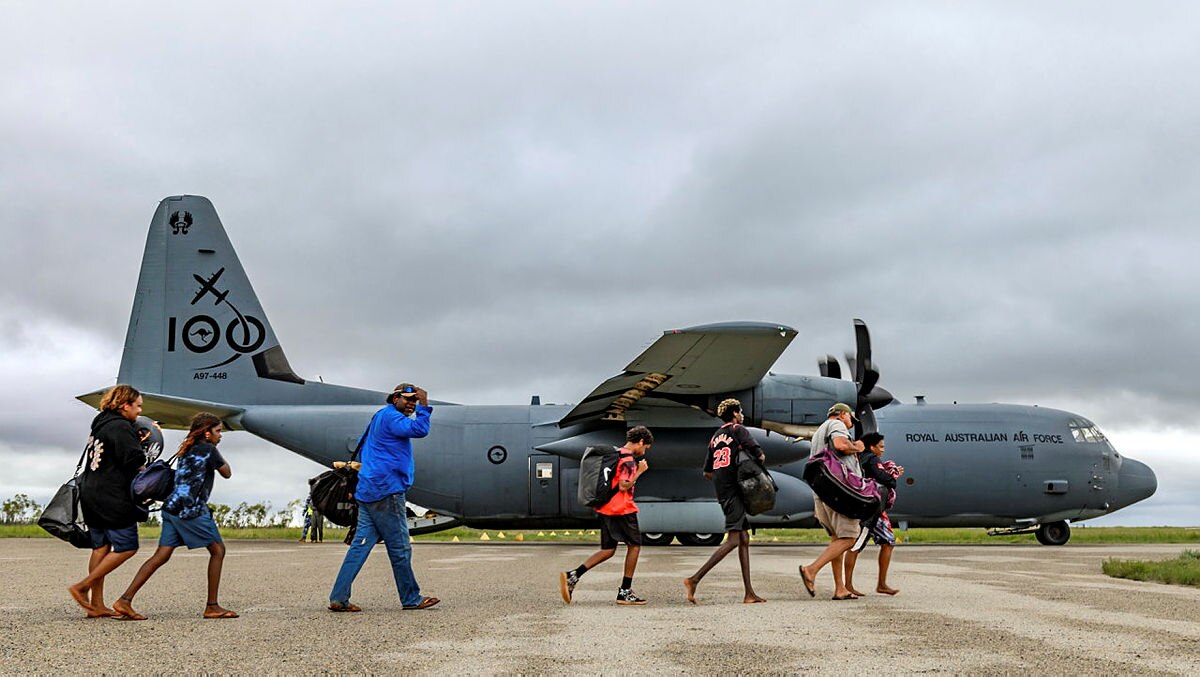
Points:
x=756 y=485
x=333 y=495
x=62 y=517
x=332 y=492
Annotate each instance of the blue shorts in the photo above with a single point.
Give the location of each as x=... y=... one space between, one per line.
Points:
x=198 y=532
x=124 y=539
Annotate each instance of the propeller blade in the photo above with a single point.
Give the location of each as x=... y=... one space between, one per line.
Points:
x=862 y=344
x=830 y=367
x=866 y=421
x=870 y=378
x=853 y=364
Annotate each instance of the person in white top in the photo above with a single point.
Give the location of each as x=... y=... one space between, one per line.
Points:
x=834 y=433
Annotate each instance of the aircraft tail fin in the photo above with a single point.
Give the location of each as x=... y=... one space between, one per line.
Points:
x=198 y=332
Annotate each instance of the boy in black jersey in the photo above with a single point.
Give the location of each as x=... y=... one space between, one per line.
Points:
x=727 y=444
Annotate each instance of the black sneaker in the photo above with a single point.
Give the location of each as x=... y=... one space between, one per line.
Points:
x=626 y=596
x=566 y=584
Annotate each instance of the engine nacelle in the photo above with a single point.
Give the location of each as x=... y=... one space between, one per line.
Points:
x=791 y=400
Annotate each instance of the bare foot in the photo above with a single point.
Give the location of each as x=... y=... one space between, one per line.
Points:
x=102 y=612
x=80 y=595
x=752 y=599
x=124 y=609
x=854 y=592
x=218 y=611
x=690 y=586
x=885 y=590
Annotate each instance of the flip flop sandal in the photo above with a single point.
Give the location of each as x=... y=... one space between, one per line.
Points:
x=344 y=608
x=809 y=584
x=426 y=602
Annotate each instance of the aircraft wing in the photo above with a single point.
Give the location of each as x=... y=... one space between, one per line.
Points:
x=703 y=360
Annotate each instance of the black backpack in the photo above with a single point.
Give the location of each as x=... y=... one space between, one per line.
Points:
x=597 y=470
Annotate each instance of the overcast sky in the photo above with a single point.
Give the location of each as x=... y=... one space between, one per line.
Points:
x=501 y=199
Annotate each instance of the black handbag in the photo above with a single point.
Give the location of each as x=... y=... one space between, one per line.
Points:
x=62 y=517
x=756 y=485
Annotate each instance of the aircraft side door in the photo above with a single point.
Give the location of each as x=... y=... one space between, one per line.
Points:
x=543 y=484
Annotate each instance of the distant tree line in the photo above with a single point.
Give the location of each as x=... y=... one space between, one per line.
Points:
x=21 y=509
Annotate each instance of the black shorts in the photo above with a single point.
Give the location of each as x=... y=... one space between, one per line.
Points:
x=735 y=512
x=617 y=528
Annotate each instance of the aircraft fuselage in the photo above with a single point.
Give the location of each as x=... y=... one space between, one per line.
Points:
x=965 y=465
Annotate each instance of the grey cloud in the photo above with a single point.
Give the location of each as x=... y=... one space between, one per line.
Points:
x=528 y=197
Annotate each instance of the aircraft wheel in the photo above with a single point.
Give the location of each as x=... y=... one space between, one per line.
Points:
x=1054 y=533
x=656 y=538
x=700 y=539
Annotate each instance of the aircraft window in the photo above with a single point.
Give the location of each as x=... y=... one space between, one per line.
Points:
x=1085 y=431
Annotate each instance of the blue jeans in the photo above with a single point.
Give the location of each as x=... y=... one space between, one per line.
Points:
x=384 y=519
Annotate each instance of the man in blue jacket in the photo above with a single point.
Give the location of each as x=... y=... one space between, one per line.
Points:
x=386 y=474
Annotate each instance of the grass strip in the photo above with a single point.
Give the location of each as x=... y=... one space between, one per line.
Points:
x=1183 y=570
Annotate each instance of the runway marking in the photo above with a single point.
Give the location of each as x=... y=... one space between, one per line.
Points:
x=201 y=552
x=989 y=559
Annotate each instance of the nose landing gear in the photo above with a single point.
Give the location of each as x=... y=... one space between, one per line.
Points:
x=1053 y=533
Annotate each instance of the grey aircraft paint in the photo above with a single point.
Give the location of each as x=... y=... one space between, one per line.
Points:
x=199 y=340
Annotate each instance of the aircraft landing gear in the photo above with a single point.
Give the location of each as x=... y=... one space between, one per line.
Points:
x=1053 y=533
x=656 y=538
x=699 y=539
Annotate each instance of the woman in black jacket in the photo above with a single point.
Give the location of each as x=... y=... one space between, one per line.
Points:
x=113 y=457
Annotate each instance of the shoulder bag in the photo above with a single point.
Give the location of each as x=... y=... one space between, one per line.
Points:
x=62 y=517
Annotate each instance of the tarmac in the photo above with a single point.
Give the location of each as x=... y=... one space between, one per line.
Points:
x=962 y=609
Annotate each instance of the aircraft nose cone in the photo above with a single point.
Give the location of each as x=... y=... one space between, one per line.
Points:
x=1135 y=481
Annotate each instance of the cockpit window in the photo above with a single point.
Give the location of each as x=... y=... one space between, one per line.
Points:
x=1084 y=430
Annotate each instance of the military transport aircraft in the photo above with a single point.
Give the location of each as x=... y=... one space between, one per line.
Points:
x=198 y=339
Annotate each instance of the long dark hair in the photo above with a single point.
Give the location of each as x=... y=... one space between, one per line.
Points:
x=202 y=423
